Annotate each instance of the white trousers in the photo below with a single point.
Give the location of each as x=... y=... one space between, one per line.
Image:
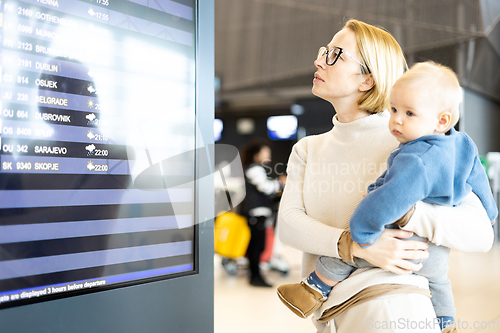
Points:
x=400 y=313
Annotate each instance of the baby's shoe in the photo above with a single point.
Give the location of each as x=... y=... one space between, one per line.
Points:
x=301 y=298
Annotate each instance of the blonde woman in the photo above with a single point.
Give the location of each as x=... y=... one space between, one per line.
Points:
x=328 y=175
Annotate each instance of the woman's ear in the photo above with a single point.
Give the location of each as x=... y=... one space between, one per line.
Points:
x=444 y=120
x=367 y=84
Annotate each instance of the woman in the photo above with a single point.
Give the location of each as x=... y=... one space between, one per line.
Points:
x=258 y=202
x=328 y=175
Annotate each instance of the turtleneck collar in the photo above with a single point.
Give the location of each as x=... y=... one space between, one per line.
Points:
x=347 y=132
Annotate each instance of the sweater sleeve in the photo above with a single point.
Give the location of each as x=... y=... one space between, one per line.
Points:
x=379 y=182
x=257 y=176
x=295 y=227
x=466 y=227
x=405 y=183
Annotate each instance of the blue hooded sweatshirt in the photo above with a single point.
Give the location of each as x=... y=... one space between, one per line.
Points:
x=437 y=169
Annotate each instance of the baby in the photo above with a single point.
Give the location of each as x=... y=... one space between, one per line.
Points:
x=433 y=163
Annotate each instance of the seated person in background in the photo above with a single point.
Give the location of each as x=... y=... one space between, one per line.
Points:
x=434 y=163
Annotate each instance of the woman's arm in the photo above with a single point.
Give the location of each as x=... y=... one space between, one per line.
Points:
x=295 y=227
x=465 y=227
x=389 y=252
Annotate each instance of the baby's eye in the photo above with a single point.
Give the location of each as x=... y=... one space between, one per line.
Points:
x=394 y=110
x=409 y=114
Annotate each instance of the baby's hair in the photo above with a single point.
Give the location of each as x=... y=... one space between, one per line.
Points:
x=442 y=83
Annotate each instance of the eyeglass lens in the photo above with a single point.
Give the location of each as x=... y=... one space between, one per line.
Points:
x=332 y=54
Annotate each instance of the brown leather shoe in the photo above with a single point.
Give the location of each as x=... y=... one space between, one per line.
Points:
x=300 y=298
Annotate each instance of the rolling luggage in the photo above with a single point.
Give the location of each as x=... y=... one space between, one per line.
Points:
x=232 y=235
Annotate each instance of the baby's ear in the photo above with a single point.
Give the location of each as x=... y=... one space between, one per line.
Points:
x=444 y=120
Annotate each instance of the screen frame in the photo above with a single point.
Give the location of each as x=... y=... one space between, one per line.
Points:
x=126 y=283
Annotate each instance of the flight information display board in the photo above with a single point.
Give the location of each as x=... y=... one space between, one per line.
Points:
x=97 y=162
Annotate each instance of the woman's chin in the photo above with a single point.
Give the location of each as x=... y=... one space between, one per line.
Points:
x=316 y=91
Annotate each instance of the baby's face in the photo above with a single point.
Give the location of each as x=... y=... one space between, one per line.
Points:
x=414 y=113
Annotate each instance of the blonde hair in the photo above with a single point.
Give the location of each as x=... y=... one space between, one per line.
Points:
x=383 y=57
x=441 y=82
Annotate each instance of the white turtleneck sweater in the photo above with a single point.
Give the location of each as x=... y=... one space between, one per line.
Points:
x=327 y=177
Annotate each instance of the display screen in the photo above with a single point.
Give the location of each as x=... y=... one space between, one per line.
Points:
x=218 y=128
x=282 y=127
x=97 y=145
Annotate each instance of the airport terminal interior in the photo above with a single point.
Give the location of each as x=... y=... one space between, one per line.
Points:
x=264 y=69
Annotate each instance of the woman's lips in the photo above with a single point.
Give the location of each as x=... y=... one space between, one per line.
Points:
x=317 y=78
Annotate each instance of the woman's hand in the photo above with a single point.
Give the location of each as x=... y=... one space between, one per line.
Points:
x=390 y=251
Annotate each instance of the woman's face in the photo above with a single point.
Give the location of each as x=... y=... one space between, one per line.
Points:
x=341 y=81
x=263 y=156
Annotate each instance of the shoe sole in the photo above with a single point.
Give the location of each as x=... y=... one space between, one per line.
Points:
x=295 y=309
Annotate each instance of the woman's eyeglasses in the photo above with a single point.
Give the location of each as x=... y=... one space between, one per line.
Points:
x=333 y=55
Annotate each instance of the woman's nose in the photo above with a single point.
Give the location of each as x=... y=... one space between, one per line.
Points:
x=320 y=62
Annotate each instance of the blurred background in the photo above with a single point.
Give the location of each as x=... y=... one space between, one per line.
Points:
x=264 y=53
